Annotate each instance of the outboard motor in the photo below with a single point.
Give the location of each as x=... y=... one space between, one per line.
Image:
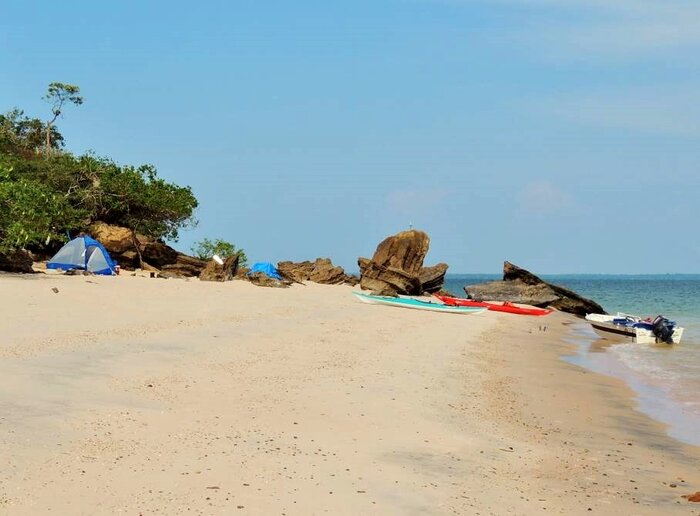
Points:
x=662 y=329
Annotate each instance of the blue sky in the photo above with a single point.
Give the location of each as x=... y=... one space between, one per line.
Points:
x=560 y=135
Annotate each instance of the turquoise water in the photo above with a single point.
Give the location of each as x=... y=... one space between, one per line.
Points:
x=665 y=378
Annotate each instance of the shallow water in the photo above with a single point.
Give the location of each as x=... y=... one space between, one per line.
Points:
x=665 y=378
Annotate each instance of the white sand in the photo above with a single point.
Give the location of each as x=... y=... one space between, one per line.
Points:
x=141 y=396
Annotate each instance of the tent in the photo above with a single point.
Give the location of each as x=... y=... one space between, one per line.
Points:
x=265 y=268
x=83 y=253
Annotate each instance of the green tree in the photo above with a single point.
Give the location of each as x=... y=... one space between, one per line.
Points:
x=24 y=136
x=30 y=213
x=58 y=95
x=137 y=198
x=206 y=248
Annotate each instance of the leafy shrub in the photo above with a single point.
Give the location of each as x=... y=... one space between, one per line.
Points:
x=205 y=249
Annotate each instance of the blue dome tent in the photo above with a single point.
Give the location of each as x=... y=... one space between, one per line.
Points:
x=83 y=253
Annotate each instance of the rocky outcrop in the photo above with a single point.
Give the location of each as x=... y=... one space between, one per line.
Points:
x=521 y=286
x=397 y=266
x=16 y=261
x=116 y=239
x=132 y=250
x=433 y=278
x=321 y=270
x=226 y=272
x=263 y=280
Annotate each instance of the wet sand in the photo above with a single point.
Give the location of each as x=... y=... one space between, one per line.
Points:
x=146 y=396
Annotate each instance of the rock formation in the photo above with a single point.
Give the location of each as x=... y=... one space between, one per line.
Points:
x=397 y=266
x=116 y=239
x=321 y=270
x=432 y=278
x=16 y=261
x=521 y=286
x=263 y=280
x=226 y=272
x=133 y=250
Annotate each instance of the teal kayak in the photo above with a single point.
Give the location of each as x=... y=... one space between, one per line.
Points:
x=417 y=304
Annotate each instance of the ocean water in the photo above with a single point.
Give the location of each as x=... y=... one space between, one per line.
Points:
x=666 y=379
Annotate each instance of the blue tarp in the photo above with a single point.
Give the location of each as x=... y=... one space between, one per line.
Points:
x=265 y=268
x=83 y=253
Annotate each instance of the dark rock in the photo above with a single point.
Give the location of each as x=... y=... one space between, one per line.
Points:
x=521 y=286
x=17 y=261
x=433 y=278
x=226 y=272
x=159 y=254
x=321 y=270
x=397 y=266
x=263 y=280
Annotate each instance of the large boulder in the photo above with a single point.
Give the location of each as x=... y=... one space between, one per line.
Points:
x=397 y=266
x=16 y=261
x=321 y=270
x=226 y=272
x=521 y=286
x=116 y=239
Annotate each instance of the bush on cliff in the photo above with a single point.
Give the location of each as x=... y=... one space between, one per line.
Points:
x=45 y=195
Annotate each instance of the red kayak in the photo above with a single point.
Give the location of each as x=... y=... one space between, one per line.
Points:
x=495 y=307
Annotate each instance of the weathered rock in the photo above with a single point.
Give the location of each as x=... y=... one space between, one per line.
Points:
x=295 y=271
x=521 y=286
x=321 y=270
x=387 y=281
x=263 y=280
x=159 y=254
x=116 y=239
x=404 y=251
x=17 y=261
x=433 y=278
x=226 y=272
x=395 y=267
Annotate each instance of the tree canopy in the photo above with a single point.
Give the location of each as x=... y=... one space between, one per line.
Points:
x=206 y=248
x=45 y=197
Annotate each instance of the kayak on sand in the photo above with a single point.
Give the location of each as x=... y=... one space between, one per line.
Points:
x=416 y=304
x=494 y=307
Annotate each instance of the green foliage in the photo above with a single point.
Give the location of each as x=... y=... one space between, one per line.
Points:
x=30 y=213
x=24 y=136
x=44 y=196
x=205 y=249
x=136 y=197
x=59 y=94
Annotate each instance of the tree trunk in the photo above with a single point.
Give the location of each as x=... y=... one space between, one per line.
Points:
x=48 y=138
x=137 y=247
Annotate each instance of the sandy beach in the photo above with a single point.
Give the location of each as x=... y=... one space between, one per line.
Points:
x=131 y=395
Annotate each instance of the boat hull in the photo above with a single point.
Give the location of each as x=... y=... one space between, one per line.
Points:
x=494 y=307
x=604 y=326
x=415 y=304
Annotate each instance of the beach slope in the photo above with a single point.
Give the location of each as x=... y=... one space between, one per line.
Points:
x=139 y=396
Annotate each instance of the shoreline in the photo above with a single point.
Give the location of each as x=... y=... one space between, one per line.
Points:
x=217 y=398
x=597 y=355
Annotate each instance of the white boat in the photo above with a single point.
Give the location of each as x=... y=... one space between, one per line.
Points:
x=417 y=304
x=631 y=327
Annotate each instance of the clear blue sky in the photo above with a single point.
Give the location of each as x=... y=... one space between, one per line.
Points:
x=560 y=135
